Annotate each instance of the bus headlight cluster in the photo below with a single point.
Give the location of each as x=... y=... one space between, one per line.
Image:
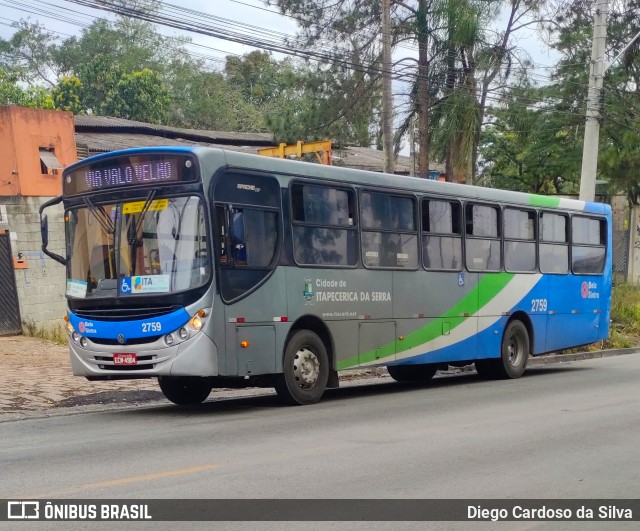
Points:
x=76 y=337
x=195 y=324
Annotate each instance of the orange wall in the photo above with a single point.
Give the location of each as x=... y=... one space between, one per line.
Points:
x=23 y=132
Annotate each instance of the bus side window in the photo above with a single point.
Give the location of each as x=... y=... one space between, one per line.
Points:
x=482 y=243
x=442 y=235
x=554 y=243
x=519 y=240
x=389 y=230
x=324 y=231
x=588 y=249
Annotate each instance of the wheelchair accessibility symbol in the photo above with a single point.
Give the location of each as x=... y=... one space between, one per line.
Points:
x=125 y=287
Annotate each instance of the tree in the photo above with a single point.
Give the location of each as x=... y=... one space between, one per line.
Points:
x=29 y=55
x=67 y=94
x=570 y=35
x=458 y=62
x=12 y=94
x=529 y=146
x=139 y=96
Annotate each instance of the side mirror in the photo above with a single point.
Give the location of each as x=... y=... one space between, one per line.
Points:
x=44 y=231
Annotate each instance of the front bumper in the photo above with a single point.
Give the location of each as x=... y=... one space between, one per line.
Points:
x=197 y=356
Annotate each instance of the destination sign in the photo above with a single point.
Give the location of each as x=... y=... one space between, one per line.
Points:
x=128 y=171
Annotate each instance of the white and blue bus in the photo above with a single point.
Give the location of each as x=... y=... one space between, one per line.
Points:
x=207 y=268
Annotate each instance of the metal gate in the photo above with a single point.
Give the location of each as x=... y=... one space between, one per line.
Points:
x=9 y=308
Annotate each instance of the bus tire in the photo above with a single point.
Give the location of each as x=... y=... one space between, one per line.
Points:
x=514 y=354
x=184 y=390
x=305 y=369
x=515 y=351
x=412 y=373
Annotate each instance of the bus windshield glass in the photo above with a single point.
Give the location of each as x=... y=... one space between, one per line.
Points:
x=153 y=246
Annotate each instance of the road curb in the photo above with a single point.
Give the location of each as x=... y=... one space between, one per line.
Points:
x=548 y=359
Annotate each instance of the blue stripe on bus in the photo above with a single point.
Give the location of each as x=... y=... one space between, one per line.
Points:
x=155 y=326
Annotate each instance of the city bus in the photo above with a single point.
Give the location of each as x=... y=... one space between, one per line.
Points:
x=208 y=268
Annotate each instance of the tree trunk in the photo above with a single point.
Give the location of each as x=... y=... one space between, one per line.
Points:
x=387 y=94
x=423 y=102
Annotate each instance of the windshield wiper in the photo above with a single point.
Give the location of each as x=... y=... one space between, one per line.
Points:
x=133 y=240
x=101 y=215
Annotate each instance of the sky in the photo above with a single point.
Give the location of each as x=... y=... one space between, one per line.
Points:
x=264 y=19
x=248 y=12
x=66 y=19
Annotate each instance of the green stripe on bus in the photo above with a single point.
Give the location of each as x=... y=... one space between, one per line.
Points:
x=486 y=290
x=543 y=201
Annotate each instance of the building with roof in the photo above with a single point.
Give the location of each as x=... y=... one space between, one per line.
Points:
x=37 y=145
x=101 y=134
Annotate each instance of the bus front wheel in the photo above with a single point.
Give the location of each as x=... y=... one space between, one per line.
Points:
x=514 y=354
x=184 y=390
x=305 y=369
x=412 y=373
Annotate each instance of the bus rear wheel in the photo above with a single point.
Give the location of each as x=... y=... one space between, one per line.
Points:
x=184 y=390
x=412 y=373
x=305 y=369
x=514 y=354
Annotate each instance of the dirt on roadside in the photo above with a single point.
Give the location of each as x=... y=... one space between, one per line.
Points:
x=36 y=374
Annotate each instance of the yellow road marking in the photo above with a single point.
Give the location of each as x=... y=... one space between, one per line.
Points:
x=125 y=481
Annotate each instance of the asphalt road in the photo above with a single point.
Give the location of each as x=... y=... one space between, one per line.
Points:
x=569 y=430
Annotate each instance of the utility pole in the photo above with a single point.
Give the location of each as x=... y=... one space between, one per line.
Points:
x=412 y=148
x=387 y=94
x=592 y=126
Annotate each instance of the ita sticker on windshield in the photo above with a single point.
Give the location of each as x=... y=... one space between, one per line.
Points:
x=138 y=206
x=144 y=284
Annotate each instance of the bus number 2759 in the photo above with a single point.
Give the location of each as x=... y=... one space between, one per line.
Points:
x=538 y=305
x=151 y=327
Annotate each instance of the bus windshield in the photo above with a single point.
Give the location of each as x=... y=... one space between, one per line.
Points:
x=154 y=246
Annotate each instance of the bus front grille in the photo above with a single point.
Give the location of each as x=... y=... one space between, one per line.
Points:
x=132 y=341
x=124 y=314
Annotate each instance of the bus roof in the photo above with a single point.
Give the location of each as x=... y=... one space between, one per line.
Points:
x=401 y=182
x=293 y=168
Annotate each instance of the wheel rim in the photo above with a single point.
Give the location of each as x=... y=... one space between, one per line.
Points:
x=515 y=350
x=306 y=368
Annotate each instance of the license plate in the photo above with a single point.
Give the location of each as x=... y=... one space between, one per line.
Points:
x=126 y=358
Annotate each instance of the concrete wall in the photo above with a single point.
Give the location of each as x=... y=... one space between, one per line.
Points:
x=40 y=281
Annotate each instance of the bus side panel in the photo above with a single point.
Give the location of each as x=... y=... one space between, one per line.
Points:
x=574 y=310
x=337 y=296
x=607 y=281
x=258 y=310
x=502 y=295
x=434 y=310
x=535 y=305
